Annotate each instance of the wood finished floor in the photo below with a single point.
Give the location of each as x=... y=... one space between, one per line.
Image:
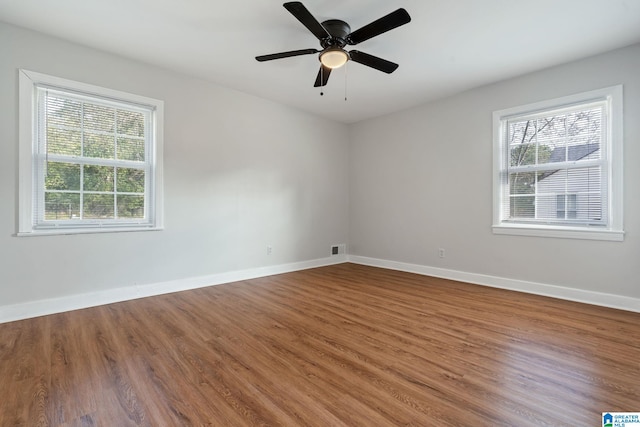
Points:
x=345 y=345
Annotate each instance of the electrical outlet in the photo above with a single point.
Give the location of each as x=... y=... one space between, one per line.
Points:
x=269 y=249
x=441 y=253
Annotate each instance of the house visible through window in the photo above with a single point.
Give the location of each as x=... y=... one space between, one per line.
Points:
x=566 y=206
x=558 y=167
x=93 y=158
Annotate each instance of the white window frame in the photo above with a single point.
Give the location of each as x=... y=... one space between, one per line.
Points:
x=31 y=178
x=612 y=152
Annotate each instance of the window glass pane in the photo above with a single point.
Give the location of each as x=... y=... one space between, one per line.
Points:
x=522 y=207
x=131 y=149
x=523 y=154
x=552 y=182
x=551 y=138
x=130 y=206
x=63 y=112
x=546 y=207
x=584 y=180
x=61 y=206
x=589 y=207
x=130 y=123
x=62 y=176
x=522 y=132
x=545 y=153
x=100 y=118
x=98 y=178
x=64 y=141
x=584 y=130
x=130 y=180
x=522 y=183
x=550 y=128
x=571 y=202
x=522 y=146
x=99 y=145
x=98 y=206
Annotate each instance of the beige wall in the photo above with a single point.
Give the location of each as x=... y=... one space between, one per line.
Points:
x=240 y=173
x=422 y=180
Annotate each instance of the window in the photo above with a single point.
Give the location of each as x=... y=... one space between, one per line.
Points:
x=90 y=158
x=558 y=167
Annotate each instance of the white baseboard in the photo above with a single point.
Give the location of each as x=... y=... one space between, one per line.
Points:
x=572 y=294
x=44 y=307
x=9 y=313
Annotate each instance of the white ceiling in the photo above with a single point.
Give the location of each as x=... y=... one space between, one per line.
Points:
x=449 y=46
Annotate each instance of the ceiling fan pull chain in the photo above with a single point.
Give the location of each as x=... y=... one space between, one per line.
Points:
x=321 y=81
x=345 y=80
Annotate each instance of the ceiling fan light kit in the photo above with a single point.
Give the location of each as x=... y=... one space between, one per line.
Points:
x=334 y=57
x=334 y=35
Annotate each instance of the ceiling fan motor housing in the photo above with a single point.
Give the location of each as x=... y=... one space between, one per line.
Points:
x=339 y=31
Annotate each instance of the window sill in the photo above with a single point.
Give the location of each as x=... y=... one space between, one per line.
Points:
x=558 y=232
x=63 y=231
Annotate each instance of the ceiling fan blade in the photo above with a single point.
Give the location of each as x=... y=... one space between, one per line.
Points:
x=373 y=61
x=323 y=76
x=289 y=54
x=379 y=26
x=303 y=15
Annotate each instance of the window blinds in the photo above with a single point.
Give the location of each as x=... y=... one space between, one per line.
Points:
x=92 y=159
x=555 y=171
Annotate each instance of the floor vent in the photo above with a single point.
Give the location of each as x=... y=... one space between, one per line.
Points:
x=340 y=249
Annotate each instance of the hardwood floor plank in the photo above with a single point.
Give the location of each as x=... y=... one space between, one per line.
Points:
x=345 y=345
x=25 y=379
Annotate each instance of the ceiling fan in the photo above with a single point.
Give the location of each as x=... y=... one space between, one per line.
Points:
x=334 y=35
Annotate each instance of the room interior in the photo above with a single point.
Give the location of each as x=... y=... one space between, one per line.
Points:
x=263 y=176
